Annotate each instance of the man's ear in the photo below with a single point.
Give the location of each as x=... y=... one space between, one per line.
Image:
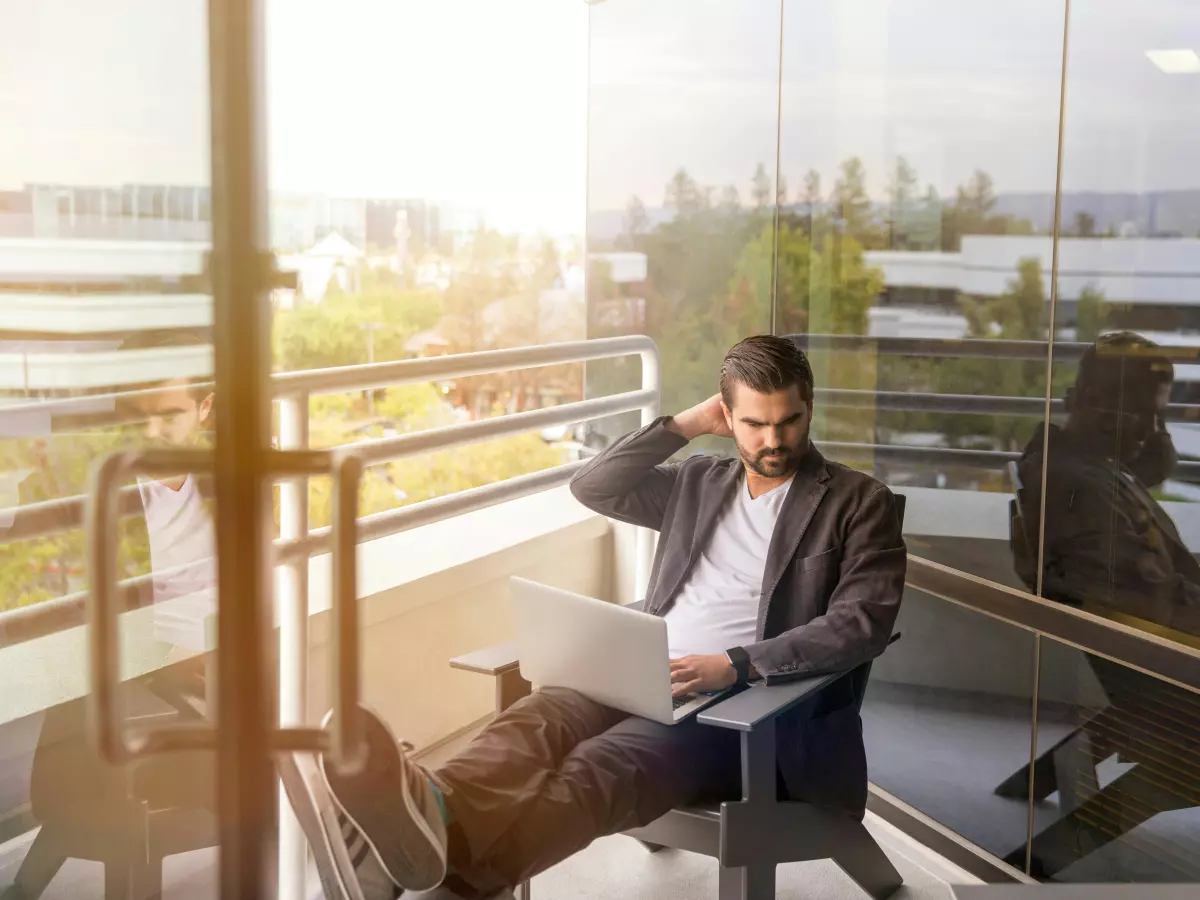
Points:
x=728 y=413
x=205 y=408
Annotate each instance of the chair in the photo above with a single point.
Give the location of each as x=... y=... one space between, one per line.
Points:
x=751 y=836
x=129 y=820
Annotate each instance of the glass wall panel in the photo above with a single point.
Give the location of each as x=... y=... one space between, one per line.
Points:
x=682 y=112
x=1117 y=778
x=918 y=146
x=948 y=717
x=103 y=102
x=1121 y=471
x=434 y=206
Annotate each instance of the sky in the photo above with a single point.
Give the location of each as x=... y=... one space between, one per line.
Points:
x=527 y=110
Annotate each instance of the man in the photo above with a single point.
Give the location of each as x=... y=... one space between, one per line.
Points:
x=71 y=786
x=1109 y=546
x=178 y=415
x=775 y=563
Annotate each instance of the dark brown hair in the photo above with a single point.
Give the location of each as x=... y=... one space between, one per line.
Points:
x=765 y=364
x=1123 y=363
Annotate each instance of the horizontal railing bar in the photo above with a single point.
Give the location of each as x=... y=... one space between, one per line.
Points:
x=394 y=521
x=899 y=453
x=969 y=404
x=981 y=459
x=27 y=623
x=1151 y=653
x=966 y=348
x=343 y=379
x=464 y=365
x=381 y=450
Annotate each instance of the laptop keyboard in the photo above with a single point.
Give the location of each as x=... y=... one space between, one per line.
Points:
x=677 y=702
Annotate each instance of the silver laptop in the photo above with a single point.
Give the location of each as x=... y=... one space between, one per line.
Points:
x=610 y=654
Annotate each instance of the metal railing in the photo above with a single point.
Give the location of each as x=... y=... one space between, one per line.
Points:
x=293 y=390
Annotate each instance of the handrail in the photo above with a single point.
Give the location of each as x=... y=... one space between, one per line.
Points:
x=1154 y=654
x=38 y=620
x=965 y=348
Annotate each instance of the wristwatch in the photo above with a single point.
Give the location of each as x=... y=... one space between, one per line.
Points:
x=740 y=660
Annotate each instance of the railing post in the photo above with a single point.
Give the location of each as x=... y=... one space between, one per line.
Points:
x=651 y=381
x=292 y=599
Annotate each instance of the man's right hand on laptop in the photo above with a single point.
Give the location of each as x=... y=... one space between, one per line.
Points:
x=700 y=674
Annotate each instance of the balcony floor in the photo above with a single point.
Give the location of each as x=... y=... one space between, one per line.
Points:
x=611 y=867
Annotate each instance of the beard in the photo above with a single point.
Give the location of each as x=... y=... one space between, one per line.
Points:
x=776 y=463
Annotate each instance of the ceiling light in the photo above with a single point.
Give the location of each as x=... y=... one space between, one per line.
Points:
x=1175 y=62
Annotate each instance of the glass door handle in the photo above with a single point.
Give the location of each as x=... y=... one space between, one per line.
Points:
x=346 y=740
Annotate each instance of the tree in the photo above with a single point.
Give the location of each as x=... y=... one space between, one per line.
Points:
x=781 y=192
x=731 y=201
x=811 y=195
x=760 y=191
x=684 y=194
x=1091 y=315
x=636 y=219
x=902 y=210
x=822 y=288
x=1085 y=224
x=1019 y=314
x=973 y=212
x=331 y=333
x=852 y=206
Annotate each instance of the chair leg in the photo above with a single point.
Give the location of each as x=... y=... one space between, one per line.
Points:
x=1075 y=772
x=1118 y=809
x=862 y=859
x=118 y=880
x=746 y=882
x=148 y=880
x=42 y=861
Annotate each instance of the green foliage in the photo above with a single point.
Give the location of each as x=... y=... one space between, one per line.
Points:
x=334 y=332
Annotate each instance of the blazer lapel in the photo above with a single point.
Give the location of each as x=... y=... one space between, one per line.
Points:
x=799 y=506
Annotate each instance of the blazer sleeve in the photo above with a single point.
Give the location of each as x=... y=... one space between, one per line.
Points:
x=858 y=621
x=631 y=480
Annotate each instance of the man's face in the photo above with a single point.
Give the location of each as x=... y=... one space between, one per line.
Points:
x=175 y=417
x=1124 y=424
x=771 y=430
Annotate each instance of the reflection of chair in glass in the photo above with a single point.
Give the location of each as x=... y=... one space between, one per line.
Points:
x=129 y=819
x=1151 y=724
x=1069 y=767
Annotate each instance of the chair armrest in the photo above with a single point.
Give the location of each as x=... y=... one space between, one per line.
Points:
x=760 y=702
x=495 y=660
x=499 y=658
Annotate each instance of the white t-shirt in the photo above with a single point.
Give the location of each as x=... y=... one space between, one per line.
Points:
x=183 y=560
x=717 y=606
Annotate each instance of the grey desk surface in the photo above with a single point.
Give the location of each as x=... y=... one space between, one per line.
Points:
x=1075 y=892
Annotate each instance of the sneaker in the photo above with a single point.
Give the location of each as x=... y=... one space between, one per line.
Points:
x=347 y=868
x=392 y=806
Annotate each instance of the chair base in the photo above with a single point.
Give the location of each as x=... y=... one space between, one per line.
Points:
x=760 y=836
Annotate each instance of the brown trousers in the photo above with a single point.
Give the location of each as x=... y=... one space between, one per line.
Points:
x=555 y=771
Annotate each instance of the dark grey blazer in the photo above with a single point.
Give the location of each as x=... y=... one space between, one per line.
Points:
x=831 y=590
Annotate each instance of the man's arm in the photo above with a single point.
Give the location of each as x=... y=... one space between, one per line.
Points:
x=862 y=610
x=631 y=481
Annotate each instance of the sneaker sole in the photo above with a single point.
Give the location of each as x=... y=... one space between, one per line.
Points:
x=334 y=866
x=414 y=857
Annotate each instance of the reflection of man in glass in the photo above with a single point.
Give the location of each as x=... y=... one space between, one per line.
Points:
x=1109 y=545
x=182 y=544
